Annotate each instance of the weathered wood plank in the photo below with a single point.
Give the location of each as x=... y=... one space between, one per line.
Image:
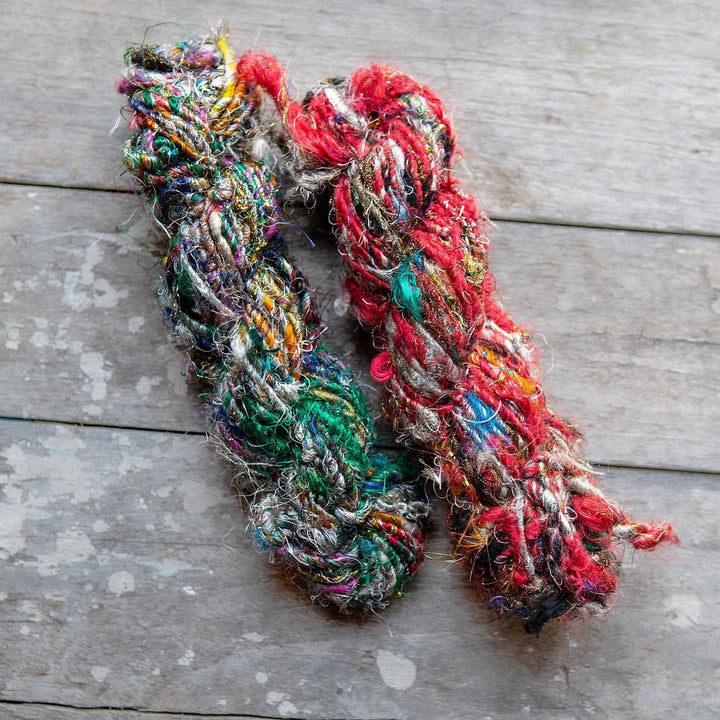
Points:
x=593 y=114
x=630 y=320
x=128 y=581
x=628 y=326
x=36 y=711
x=126 y=577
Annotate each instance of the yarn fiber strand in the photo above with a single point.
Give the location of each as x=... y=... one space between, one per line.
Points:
x=463 y=378
x=347 y=519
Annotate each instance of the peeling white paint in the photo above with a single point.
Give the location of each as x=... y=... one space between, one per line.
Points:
x=63 y=466
x=165 y=567
x=73 y=346
x=100 y=526
x=284 y=706
x=121 y=440
x=135 y=323
x=187 y=658
x=121 y=583
x=32 y=610
x=15 y=510
x=67 y=469
x=199 y=496
x=287 y=708
x=72 y=297
x=12 y=540
x=12 y=332
x=177 y=381
x=99 y=672
x=171 y=523
x=71 y=546
x=93 y=365
x=169 y=567
x=144 y=385
x=13 y=492
x=253 y=637
x=131 y=462
x=85 y=276
x=683 y=610
x=82 y=290
x=39 y=339
x=107 y=296
x=396 y=671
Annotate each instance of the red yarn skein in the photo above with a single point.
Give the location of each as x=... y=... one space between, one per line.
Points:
x=527 y=515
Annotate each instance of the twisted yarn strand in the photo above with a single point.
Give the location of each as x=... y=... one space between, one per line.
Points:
x=345 y=518
x=527 y=515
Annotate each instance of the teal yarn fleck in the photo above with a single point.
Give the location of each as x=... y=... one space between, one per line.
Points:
x=344 y=517
x=404 y=288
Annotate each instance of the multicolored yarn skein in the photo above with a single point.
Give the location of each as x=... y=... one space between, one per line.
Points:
x=463 y=378
x=344 y=517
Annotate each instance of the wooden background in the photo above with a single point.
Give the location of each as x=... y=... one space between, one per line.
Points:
x=128 y=587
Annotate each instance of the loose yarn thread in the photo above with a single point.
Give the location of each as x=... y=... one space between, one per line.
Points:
x=527 y=515
x=347 y=519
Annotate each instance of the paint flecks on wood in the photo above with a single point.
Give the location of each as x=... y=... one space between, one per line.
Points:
x=171 y=609
x=594 y=116
x=613 y=364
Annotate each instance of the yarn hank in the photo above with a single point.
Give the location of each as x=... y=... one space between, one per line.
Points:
x=463 y=379
x=344 y=517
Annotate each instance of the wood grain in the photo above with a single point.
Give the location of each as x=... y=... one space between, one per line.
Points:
x=131 y=583
x=627 y=323
x=129 y=589
x=37 y=711
x=591 y=114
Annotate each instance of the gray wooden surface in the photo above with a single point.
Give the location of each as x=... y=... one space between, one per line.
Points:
x=128 y=587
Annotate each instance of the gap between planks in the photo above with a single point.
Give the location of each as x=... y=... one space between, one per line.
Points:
x=547 y=221
x=598 y=465
x=108 y=712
